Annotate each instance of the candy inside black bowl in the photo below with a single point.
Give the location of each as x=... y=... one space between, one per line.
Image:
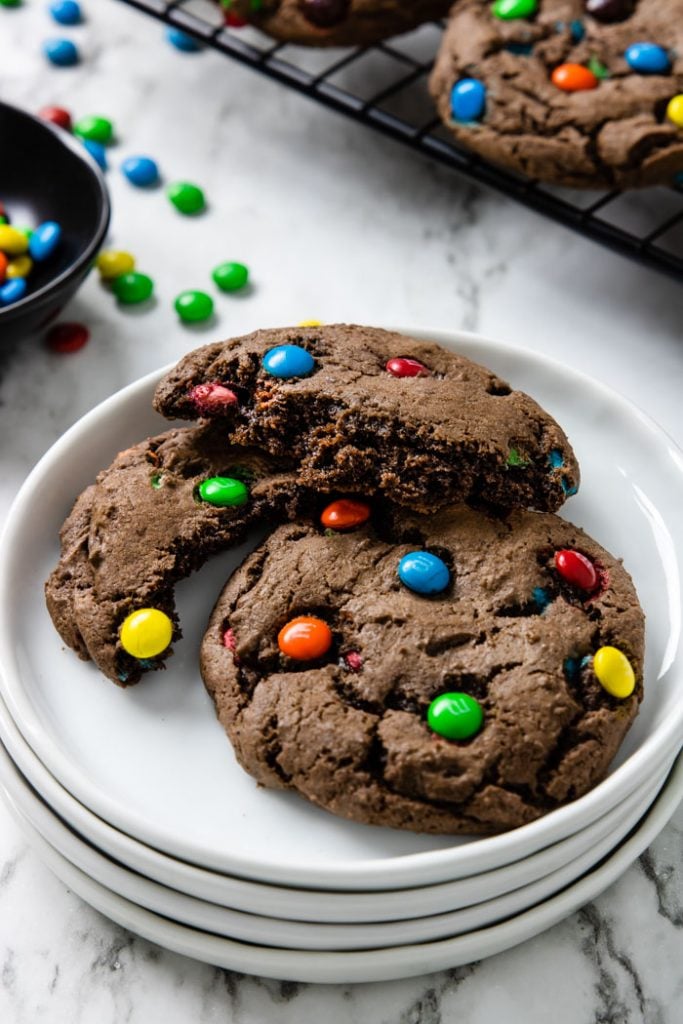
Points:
x=47 y=175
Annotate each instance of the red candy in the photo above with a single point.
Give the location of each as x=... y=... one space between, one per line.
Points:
x=345 y=514
x=56 y=115
x=402 y=366
x=212 y=398
x=233 y=20
x=3 y=267
x=576 y=569
x=67 y=337
x=353 y=661
x=229 y=640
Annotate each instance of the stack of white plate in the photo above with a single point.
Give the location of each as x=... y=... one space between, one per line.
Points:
x=133 y=797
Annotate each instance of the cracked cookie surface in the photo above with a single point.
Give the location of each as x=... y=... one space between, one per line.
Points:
x=455 y=433
x=349 y=730
x=616 y=134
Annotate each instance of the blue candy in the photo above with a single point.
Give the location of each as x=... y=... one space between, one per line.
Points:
x=182 y=40
x=97 y=152
x=423 y=572
x=468 y=99
x=66 y=12
x=577 y=30
x=44 y=240
x=12 y=291
x=140 y=170
x=61 y=52
x=648 y=59
x=288 y=361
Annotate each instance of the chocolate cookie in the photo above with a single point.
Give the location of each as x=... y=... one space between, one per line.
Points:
x=334 y=22
x=368 y=411
x=584 y=93
x=160 y=510
x=457 y=674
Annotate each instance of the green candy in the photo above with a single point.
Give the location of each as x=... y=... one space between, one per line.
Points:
x=10 y=3
x=223 y=491
x=133 y=287
x=186 y=197
x=193 y=306
x=230 y=277
x=456 y=716
x=597 y=67
x=506 y=10
x=95 y=129
x=515 y=459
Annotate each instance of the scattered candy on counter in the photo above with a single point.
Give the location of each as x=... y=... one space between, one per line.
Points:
x=183 y=40
x=305 y=638
x=345 y=514
x=67 y=337
x=576 y=569
x=285 y=361
x=455 y=716
x=94 y=128
x=61 y=52
x=56 y=115
x=614 y=672
x=230 y=277
x=674 y=110
x=423 y=572
x=141 y=171
x=193 y=306
x=648 y=59
x=132 y=288
x=508 y=9
x=233 y=20
x=224 y=492
x=146 y=633
x=310 y=323
x=468 y=99
x=66 y=12
x=10 y=3
x=573 y=78
x=401 y=366
x=608 y=11
x=97 y=152
x=113 y=263
x=186 y=197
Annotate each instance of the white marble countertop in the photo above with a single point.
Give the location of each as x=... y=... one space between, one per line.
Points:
x=335 y=223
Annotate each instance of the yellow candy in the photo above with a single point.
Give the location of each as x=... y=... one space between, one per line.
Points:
x=20 y=266
x=13 y=242
x=310 y=323
x=112 y=263
x=614 y=672
x=146 y=633
x=674 y=110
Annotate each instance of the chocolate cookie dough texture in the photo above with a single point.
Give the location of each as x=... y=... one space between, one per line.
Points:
x=154 y=516
x=459 y=673
x=366 y=411
x=334 y=22
x=583 y=93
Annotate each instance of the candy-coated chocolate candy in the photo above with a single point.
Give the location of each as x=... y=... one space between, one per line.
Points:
x=210 y=399
x=141 y=171
x=286 y=361
x=193 y=306
x=56 y=115
x=674 y=110
x=608 y=11
x=94 y=128
x=324 y=13
x=576 y=30
x=455 y=716
x=310 y=323
x=353 y=661
x=61 y=52
x=516 y=460
x=614 y=672
x=573 y=78
x=13 y=242
x=401 y=366
x=576 y=569
x=229 y=640
x=468 y=99
x=4 y=263
x=66 y=12
x=146 y=633
x=508 y=9
x=133 y=287
x=113 y=263
x=223 y=491
x=230 y=277
x=183 y=40
x=97 y=152
x=648 y=59
x=10 y=3
x=305 y=638
x=44 y=240
x=20 y=266
x=423 y=572
x=67 y=337
x=597 y=67
x=345 y=514
x=186 y=197
x=233 y=20
x=12 y=291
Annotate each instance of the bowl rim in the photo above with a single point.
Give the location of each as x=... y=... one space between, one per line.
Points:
x=42 y=295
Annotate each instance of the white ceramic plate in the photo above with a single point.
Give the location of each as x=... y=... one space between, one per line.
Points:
x=366 y=965
x=296 y=934
x=306 y=904
x=152 y=760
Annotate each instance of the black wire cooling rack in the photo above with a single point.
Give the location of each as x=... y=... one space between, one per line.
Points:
x=385 y=87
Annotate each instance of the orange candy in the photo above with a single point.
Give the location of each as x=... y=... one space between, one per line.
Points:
x=3 y=267
x=345 y=514
x=573 y=78
x=305 y=638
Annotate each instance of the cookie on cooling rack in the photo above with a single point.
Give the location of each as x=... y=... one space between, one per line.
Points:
x=458 y=673
x=582 y=93
x=363 y=410
x=334 y=22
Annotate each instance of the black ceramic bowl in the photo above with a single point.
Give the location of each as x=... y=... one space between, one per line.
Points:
x=47 y=174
